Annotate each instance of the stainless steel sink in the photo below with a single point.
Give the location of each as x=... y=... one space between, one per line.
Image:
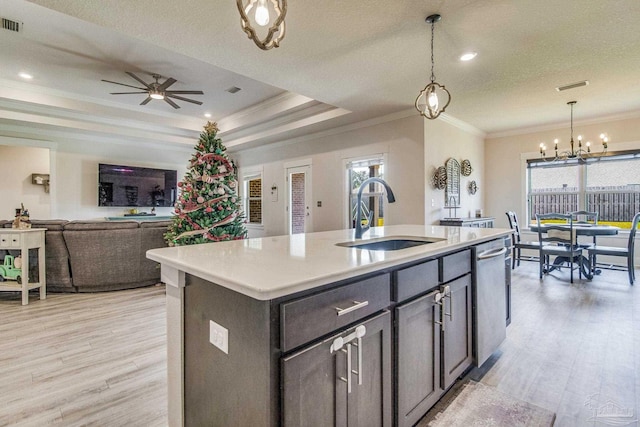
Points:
x=389 y=244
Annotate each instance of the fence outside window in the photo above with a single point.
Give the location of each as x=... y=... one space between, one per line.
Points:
x=609 y=186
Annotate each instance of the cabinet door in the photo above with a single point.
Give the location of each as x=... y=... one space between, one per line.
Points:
x=418 y=358
x=312 y=393
x=315 y=389
x=457 y=335
x=370 y=404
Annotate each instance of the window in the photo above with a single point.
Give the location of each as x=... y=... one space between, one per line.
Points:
x=373 y=197
x=609 y=185
x=252 y=200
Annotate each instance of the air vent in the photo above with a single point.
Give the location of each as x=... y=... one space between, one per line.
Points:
x=10 y=25
x=572 y=85
x=233 y=89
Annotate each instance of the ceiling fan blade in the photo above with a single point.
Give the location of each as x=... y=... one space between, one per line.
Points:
x=122 y=84
x=138 y=79
x=167 y=83
x=186 y=92
x=146 y=101
x=126 y=93
x=170 y=102
x=170 y=95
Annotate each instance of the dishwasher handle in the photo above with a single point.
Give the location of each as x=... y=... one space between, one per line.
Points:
x=492 y=253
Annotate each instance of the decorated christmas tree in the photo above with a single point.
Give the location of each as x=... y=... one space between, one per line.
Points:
x=208 y=209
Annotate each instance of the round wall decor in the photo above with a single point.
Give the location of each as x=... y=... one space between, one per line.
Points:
x=466 y=168
x=440 y=178
x=473 y=187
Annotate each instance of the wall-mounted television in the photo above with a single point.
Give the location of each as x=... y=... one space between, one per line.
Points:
x=130 y=186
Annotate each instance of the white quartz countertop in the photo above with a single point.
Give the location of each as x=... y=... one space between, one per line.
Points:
x=272 y=267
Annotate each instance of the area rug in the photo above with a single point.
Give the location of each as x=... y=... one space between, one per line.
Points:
x=477 y=404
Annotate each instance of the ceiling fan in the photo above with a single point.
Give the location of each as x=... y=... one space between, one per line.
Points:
x=157 y=90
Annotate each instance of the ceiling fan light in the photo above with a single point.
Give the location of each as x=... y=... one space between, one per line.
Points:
x=468 y=56
x=156 y=94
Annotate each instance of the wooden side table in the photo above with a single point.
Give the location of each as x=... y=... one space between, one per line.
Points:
x=23 y=240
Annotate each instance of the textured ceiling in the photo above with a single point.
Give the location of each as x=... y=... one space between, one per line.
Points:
x=366 y=59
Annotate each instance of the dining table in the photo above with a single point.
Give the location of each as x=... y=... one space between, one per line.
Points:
x=582 y=229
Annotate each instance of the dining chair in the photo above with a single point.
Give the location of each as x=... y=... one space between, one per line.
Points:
x=558 y=239
x=585 y=217
x=518 y=244
x=619 y=252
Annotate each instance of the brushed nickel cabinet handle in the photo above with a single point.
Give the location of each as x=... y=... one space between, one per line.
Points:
x=358 y=305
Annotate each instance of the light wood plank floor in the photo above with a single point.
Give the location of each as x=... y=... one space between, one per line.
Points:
x=84 y=359
x=571 y=348
x=100 y=359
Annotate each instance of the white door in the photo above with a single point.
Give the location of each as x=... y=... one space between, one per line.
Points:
x=299 y=200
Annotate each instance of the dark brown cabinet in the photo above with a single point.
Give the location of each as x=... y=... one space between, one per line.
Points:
x=375 y=350
x=433 y=336
x=344 y=380
x=418 y=358
x=457 y=332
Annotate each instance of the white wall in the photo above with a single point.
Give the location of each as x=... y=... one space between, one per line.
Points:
x=73 y=168
x=17 y=163
x=75 y=174
x=401 y=140
x=506 y=160
x=444 y=140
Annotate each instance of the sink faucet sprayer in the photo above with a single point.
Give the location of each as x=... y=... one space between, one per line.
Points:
x=390 y=197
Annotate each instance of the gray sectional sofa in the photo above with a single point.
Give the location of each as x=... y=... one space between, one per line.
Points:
x=91 y=256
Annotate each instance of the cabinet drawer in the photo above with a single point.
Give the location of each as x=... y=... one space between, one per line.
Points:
x=307 y=318
x=415 y=280
x=10 y=240
x=455 y=265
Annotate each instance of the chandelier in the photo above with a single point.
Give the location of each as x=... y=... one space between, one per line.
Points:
x=579 y=153
x=429 y=102
x=261 y=11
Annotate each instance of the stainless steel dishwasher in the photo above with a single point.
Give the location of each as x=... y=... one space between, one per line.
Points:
x=489 y=298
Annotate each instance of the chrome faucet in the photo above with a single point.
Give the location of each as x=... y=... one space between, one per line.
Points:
x=390 y=197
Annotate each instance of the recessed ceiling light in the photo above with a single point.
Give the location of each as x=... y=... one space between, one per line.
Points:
x=25 y=76
x=468 y=56
x=207 y=115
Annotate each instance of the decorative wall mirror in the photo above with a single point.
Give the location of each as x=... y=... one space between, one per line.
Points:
x=452 y=190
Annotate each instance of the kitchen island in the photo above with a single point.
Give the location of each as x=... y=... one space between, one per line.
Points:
x=306 y=330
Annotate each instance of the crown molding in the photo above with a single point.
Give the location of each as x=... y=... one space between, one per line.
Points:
x=462 y=125
x=555 y=126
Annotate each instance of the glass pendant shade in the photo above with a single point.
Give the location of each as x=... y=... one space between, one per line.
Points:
x=260 y=12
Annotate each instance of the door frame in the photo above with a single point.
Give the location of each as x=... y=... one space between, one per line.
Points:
x=346 y=185
x=299 y=166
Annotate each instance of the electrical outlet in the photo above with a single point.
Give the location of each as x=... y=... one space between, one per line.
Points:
x=433 y=203
x=219 y=336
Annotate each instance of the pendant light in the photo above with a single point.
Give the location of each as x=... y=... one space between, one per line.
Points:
x=430 y=102
x=262 y=13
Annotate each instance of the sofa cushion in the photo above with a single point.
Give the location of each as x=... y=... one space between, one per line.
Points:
x=151 y=237
x=101 y=225
x=102 y=252
x=49 y=224
x=57 y=255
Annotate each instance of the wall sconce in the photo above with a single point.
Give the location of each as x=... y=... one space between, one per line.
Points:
x=41 y=179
